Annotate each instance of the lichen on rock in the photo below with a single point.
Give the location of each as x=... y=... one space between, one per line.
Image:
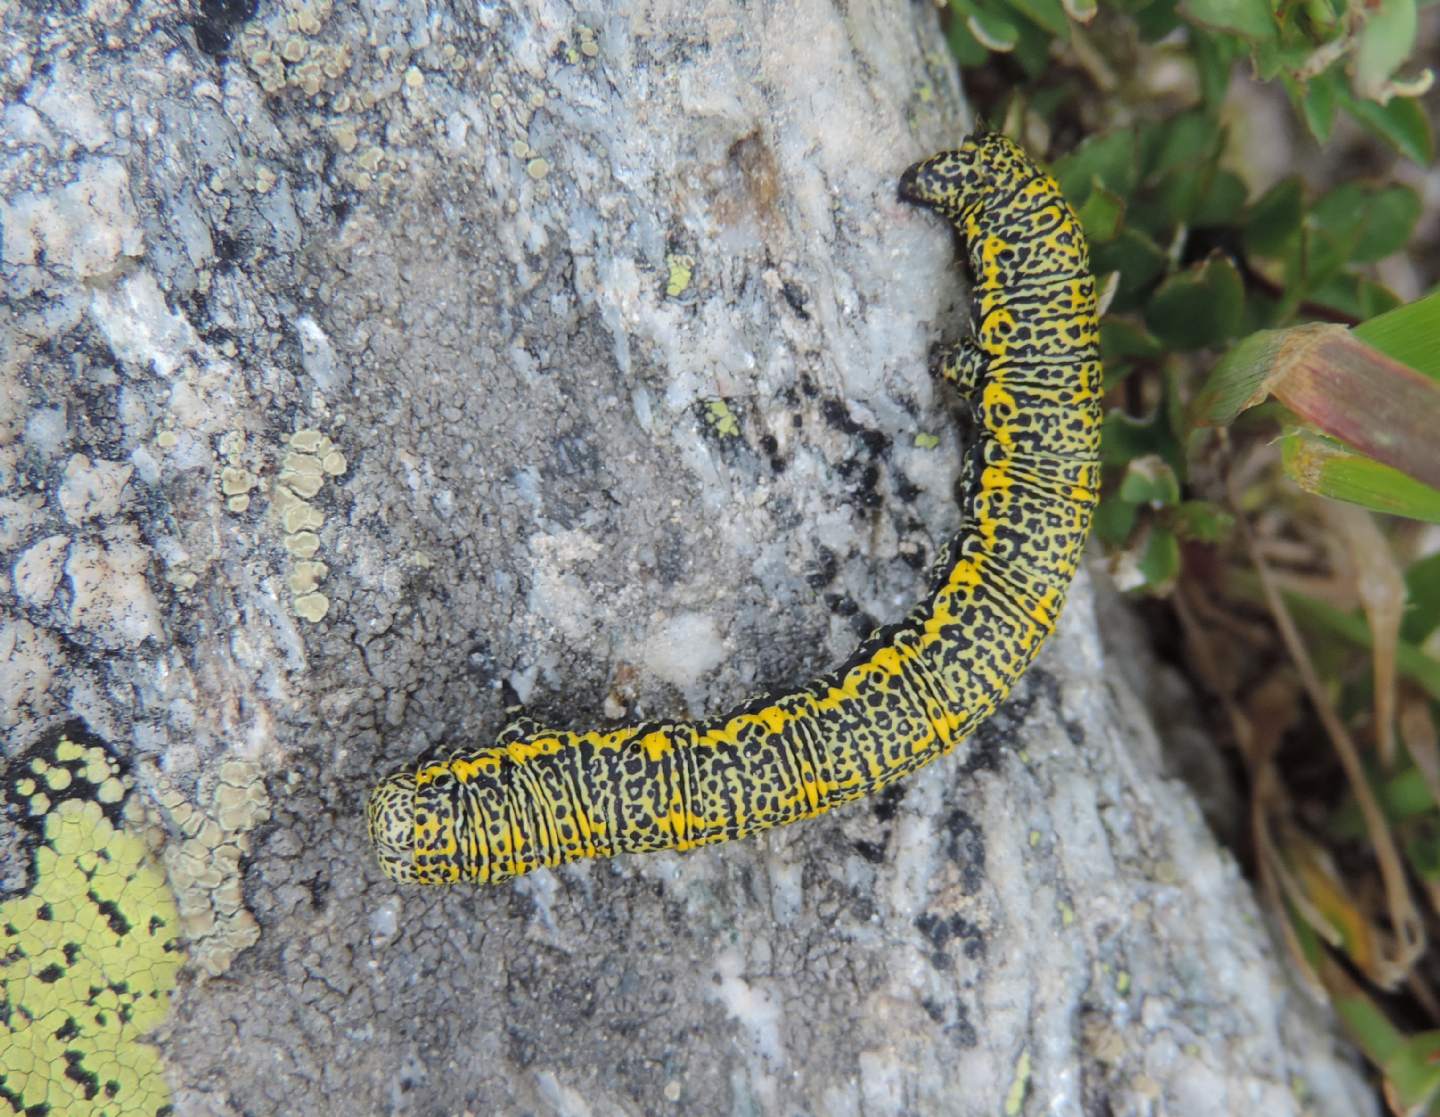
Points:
x=90 y=949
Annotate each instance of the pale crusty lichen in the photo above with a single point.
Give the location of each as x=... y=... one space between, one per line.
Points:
x=89 y=955
x=310 y=460
x=312 y=606
x=237 y=481
x=282 y=51
x=202 y=860
x=302 y=544
x=296 y=47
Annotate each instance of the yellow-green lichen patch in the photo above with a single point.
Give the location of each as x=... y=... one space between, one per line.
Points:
x=310 y=459
x=681 y=270
x=1019 y=1085
x=720 y=419
x=89 y=954
x=203 y=861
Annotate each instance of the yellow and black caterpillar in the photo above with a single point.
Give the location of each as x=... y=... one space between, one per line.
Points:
x=910 y=692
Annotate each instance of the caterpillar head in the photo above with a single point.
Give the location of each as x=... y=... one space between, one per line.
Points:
x=391 y=813
x=955 y=183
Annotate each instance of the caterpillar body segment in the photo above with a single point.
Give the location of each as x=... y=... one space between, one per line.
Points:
x=909 y=693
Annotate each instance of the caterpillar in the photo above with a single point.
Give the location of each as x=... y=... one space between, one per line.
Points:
x=911 y=691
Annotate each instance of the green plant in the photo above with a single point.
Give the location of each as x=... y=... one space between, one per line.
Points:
x=1270 y=440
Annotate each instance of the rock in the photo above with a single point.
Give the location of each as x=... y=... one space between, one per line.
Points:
x=360 y=359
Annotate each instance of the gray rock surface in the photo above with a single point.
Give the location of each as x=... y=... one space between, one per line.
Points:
x=358 y=359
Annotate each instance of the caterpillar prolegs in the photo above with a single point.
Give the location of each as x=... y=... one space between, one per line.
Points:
x=910 y=692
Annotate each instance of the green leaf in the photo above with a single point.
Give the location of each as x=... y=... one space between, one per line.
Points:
x=1137 y=258
x=1386 y=40
x=1390 y=218
x=1289 y=54
x=1240 y=379
x=1422 y=600
x=1150 y=480
x=1402 y=797
x=1125 y=438
x=1262 y=311
x=1368 y=1025
x=1160 y=563
x=1402 y=123
x=1252 y=19
x=1123 y=344
x=967 y=49
x=1187 y=139
x=1354 y=296
x=1373 y=298
x=1114 y=520
x=994 y=32
x=1213 y=57
x=1032 y=50
x=1323 y=466
x=1222 y=200
x=1201 y=521
x=1047 y=14
x=1323 y=19
x=1422 y=850
x=1318 y=100
x=1155 y=21
x=1107 y=159
x=1408 y=334
x=1355 y=222
x=1199 y=307
x=1274 y=219
x=1339 y=217
x=1100 y=215
x=1413 y=1072
x=1121 y=339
